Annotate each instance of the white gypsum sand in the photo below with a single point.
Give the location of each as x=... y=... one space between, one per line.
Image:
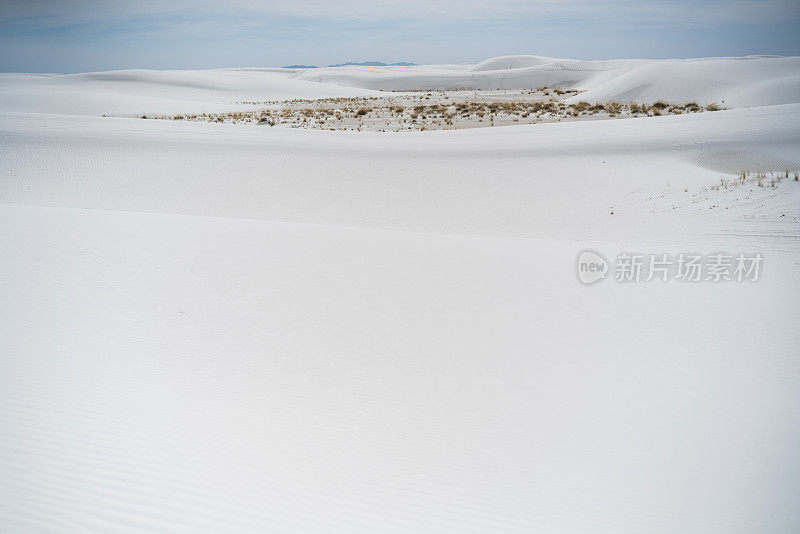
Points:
x=219 y=328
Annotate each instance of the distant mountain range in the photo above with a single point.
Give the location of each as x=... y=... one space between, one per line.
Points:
x=362 y=64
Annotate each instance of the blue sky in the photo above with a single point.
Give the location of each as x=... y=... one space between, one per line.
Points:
x=88 y=35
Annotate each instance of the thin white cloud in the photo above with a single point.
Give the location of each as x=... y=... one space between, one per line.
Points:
x=66 y=12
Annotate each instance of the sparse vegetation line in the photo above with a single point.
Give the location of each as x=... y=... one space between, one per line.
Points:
x=440 y=110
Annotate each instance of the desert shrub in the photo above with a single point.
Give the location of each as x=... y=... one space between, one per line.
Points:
x=581 y=106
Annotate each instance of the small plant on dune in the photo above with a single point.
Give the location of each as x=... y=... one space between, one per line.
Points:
x=660 y=106
x=614 y=108
x=747 y=177
x=581 y=106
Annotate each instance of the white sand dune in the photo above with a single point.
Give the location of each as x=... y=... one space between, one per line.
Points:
x=512 y=62
x=215 y=328
x=484 y=181
x=150 y=91
x=738 y=82
x=731 y=82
